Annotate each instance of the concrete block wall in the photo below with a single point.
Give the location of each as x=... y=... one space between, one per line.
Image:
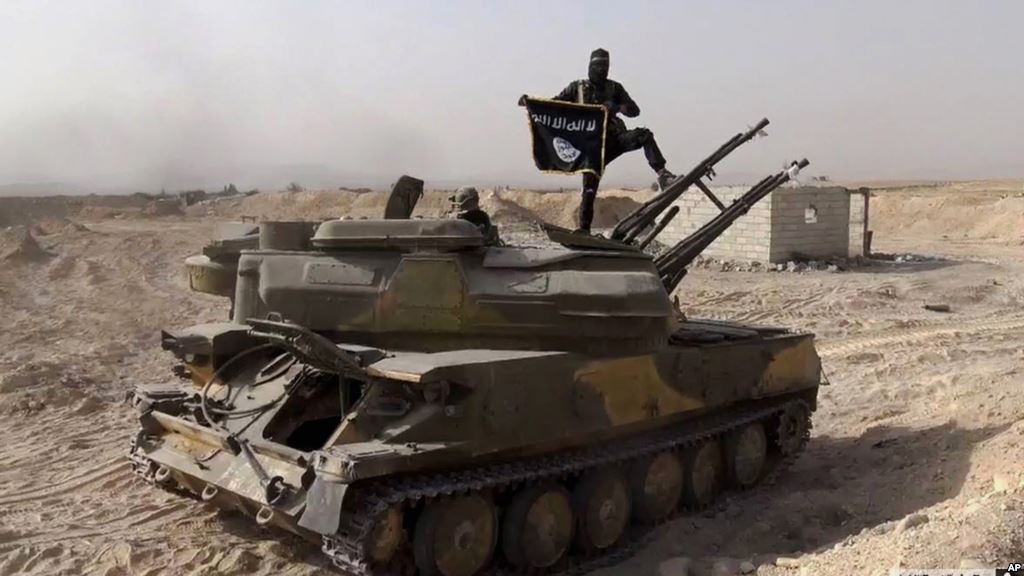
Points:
x=809 y=222
x=859 y=200
x=748 y=239
x=813 y=222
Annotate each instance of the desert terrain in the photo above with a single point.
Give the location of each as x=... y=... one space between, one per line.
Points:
x=915 y=458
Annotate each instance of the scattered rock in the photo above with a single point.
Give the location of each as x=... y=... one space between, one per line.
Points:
x=747 y=567
x=905 y=258
x=972 y=563
x=1000 y=483
x=679 y=566
x=881 y=529
x=122 y=554
x=937 y=307
x=786 y=562
x=911 y=521
x=798 y=265
x=725 y=567
x=87 y=406
x=239 y=562
x=17 y=244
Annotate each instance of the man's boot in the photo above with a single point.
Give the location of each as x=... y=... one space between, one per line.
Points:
x=665 y=178
x=586 y=212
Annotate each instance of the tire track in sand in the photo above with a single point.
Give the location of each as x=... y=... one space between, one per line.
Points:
x=138 y=520
x=847 y=346
x=108 y=471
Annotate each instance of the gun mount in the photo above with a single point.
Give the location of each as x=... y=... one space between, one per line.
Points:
x=672 y=264
x=633 y=224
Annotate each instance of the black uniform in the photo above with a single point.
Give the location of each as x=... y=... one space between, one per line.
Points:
x=618 y=139
x=482 y=221
x=477 y=217
x=599 y=89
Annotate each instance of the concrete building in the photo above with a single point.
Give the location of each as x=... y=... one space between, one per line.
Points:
x=807 y=222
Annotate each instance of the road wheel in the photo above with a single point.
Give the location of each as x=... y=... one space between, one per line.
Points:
x=455 y=536
x=656 y=485
x=746 y=450
x=703 y=474
x=387 y=536
x=601 y=501
x=538 y=527
x=792 y=430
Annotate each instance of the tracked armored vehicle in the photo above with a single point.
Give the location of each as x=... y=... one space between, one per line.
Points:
x=418 y=401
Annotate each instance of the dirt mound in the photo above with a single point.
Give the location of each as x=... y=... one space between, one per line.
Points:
x=505 y=206
x=305 y=205
x=17 y=244
x=608 y=210
x=50 y=226
x=947 y=212
x=105 y=212
x=559 y=207
x=16 y=211
x=504 y=211
x=163 y=207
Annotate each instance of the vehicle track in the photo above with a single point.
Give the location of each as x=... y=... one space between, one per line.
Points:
x=110 y=470
x=130 y=523
x=347 y=548
x=900 y=336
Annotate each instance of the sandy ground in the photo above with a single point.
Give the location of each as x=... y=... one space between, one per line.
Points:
x=915 y=458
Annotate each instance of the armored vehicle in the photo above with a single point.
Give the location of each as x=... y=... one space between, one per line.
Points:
x=420 y=402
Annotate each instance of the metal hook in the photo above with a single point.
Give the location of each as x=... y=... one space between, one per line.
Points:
x=162 y=474
x=264 y=515
x=209 y=493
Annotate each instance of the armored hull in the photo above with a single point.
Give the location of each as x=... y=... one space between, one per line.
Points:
x=418 y=401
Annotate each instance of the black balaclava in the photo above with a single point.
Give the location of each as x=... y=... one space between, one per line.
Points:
x=597 y=72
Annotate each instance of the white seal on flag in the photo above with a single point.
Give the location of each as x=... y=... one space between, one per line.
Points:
x=565 y=150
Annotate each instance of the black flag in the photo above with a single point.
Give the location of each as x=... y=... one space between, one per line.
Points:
x=567 y=137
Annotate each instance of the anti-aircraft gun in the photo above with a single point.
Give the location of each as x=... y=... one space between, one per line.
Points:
x=416 y=400
x=672 y=263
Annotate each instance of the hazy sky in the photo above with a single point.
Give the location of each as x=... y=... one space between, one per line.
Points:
x=153 y=94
